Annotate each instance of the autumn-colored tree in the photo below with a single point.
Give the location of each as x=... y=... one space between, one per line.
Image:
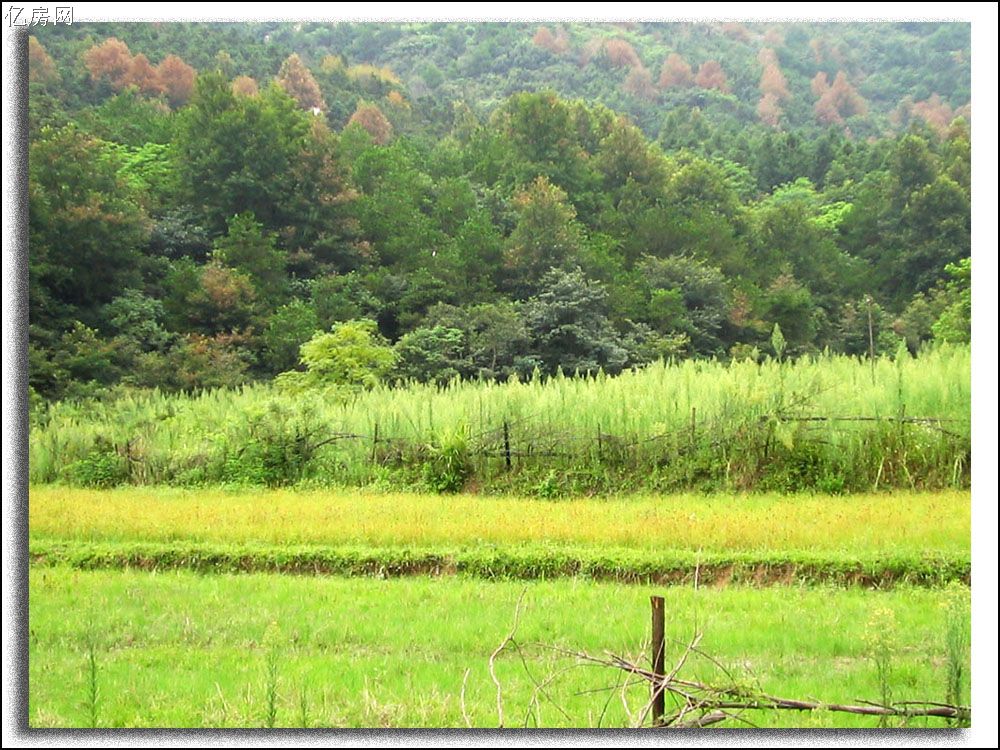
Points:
x=772 y=80
x=177 y=78
x=370 y=117
x=295 y=78
x=544 y=38
x=675 y=73
x=397 y=100
x=935 y=112
x=820 y=85
x=712 y=76
x=621 y=54
x=245 y=86
x=557 y=43
x=818 y=47
x=110 y=60
x=736 y=31
x=562 y=41
x=41 y=68
x=767 y=56
x=144 y=76
x=547 y=234
x=639 y=83
x=224 y=63
x=838 y=101
x=223 y=300
x=774 y=37
x=590 y=50
x=769 y=110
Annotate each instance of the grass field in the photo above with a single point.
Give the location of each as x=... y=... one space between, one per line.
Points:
x=180 y=649
x=830 y=423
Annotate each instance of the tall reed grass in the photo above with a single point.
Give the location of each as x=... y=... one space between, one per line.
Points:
x=833 y=423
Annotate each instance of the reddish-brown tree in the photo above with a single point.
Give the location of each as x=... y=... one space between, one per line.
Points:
x=397 y=100
x=245 y=86
x=820 y=84
x=935 y=112
x=590 y=50
x=837 y=101
x=144 y=76
x=639 y=83
x=736 y=31
x=712 y=76
x=545 y=39
x=41 y=68
x=675 y=73
x=109 y=61
x=621 y=54
x=772 y=80
x=177 y=78
x=370 y=117
x=295 y=78
x=768 y=110
x=774 y=37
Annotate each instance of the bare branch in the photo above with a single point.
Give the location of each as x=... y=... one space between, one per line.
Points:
x=501 y=647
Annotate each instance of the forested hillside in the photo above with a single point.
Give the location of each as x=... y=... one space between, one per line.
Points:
x=488 y=200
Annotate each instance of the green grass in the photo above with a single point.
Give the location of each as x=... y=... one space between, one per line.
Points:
x=176 y=649
x=526 y=562
x=695 y=424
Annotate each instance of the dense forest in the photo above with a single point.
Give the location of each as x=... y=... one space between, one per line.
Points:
x=212 y=204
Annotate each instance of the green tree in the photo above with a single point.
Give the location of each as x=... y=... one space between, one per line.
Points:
x=955 y=322
x=495 y=335
x=85 y=227
x=435 y=354
x=569 y=327
x=546 y=236
x=237 y=153
x=352 y=355
x=689 y=297
x=290 y=326
x=252 y=251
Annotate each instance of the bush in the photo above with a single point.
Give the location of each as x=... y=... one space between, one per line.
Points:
x=100 y=468
x=449 y=465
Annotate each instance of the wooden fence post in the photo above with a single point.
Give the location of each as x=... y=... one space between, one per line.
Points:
x=658 y=659
x=375 y=443
x=506 y=444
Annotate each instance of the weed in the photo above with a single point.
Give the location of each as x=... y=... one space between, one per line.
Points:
x=92 y=696
x=272 y=660
x=881 y=640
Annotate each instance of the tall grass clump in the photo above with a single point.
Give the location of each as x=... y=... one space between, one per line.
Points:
x=832 y=423
x=92 y=692
x=956 y=646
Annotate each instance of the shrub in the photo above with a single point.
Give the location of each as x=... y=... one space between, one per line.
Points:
x=448 y=465
x=102 y=467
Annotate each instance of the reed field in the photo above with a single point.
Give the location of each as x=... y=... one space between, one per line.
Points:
x=183 y=650
x=832 y=424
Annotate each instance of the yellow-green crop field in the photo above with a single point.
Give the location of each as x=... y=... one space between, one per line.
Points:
x=904 y=522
